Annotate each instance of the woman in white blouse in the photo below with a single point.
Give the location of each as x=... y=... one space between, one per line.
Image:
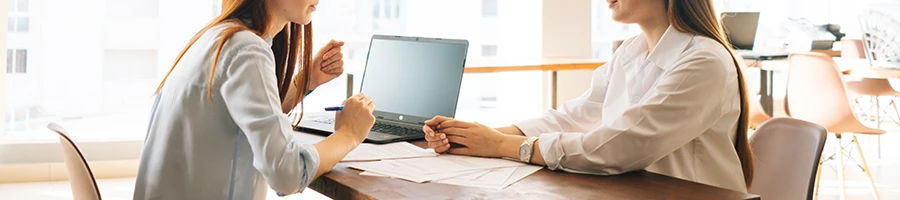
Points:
x=672 y=101
x=219 y=128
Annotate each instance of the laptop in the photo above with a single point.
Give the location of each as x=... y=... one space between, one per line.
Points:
x=740 y=28
x=410 y=79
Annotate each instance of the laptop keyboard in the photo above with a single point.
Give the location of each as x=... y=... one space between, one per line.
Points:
x=383 y=128
x=395 y=130
x=324 y=121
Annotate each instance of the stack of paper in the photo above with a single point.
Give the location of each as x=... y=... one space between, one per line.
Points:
x=451 y=169
x=375 y=152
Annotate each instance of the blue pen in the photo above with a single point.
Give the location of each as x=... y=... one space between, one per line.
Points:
x=336 y=108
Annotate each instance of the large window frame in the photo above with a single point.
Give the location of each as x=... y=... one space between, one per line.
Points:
x=19 y=18
x=16 y=61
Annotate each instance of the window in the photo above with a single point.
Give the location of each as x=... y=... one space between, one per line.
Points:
x=22 y=5
x=9 y=61
x=397 y=10
x=16 y=61
x=98 y=85
x=489 y=8
x=376 y=9
x=122 y=65
x=386 y=9
x=18 y=16
x=355 y=21
x=217 y=7
x=21 y=61
x=489 y=50
x=133 y=8
x=606 y=31
x=108 y=75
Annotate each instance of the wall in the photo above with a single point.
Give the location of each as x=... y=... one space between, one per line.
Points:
x=567 y=33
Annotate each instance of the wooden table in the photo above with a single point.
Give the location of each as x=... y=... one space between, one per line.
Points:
x=345 y=183
x=504 y=64
x=829 y=52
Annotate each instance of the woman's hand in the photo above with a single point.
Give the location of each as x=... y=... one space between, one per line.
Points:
x=436 y=141
x=327 y=64
x=476 y=139
x=356 y=119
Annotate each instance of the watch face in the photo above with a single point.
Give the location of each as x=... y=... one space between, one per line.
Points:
x=523 y=151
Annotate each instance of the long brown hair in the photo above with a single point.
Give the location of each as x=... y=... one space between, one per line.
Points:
x=699 y=17
x=252 y=15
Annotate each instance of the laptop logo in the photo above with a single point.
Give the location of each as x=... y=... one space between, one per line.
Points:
x=401 y=117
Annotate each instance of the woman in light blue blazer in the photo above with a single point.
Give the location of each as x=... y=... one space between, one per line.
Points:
x=220 y=128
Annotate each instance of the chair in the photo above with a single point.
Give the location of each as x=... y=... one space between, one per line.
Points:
x=871 y=87
x=757 y=114
x=818 y=95
x=81 y=179
x=780 y=175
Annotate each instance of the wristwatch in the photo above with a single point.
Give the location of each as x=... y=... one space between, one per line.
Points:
x=527 y=149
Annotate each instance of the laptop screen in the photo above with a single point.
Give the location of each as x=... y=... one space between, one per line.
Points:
x=740 y=28
x=413 y=79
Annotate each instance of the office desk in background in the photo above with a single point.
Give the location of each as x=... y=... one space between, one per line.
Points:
x=345 y=183
x=498 y=64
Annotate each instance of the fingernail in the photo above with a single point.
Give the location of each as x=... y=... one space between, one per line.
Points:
x=446 y=141
x=448 y=145
x=443 y=136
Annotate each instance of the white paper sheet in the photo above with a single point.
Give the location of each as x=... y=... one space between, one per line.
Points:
x=492 y=178
x=470 y=176
x=495 y=179
x=441 y=167
x=397 y=150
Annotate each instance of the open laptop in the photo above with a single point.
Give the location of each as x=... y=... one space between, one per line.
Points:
x=740 y=28
x=410 y=79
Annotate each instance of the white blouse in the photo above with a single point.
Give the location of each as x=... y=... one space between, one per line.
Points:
x=233 y=146
x=672 y=112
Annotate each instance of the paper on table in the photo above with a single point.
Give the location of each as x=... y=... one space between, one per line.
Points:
x=470 y=176
x=425 y=169
x=397 y=150
x=450 y=163
x=492 y=179
x=391 y=169
x=495 y=177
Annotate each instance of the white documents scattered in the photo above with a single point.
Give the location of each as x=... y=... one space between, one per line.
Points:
x=397 y=150
x=426 y=169
x=495 y=178
x=449 y=169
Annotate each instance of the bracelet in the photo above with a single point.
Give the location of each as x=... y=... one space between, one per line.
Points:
x=294 y=81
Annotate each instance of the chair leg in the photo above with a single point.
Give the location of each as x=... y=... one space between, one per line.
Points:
x=818 y=176
x=896 y=111
x=877 y=113
x=866 y=168
x=840 y=151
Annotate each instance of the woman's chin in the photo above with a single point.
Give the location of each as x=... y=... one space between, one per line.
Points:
x=302 y=20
